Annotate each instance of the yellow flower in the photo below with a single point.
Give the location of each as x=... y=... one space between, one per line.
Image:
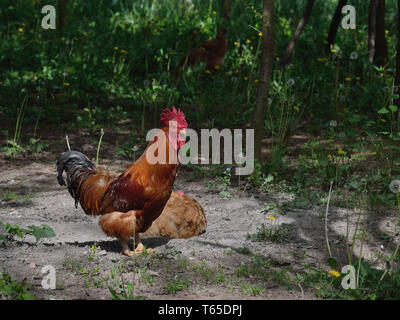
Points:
x=333 y=50
x=358 y=78
x=383 y=120
x=216 y=67
x=62 y=38
x=248 y=41
x=362 y=43
x=115 y=48
x=386 y=31
x=236 y=43
x=124 y=51
x=322 y=59
x=341 y=152
x=85 y=34
x=260 y=34
x=20 y=30
x=256 y=81
x=245 y=78
x=66 y=84
x=334 y=273
x=208 y=71
x=214 y=13
x=271 y=218
x=373 y=153
x=330 y=156
x=347 y=79
x=296 y=108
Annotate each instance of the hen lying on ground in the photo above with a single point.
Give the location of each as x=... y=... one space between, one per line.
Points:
x=128 y=203
x=182 y=217
x=212 y=52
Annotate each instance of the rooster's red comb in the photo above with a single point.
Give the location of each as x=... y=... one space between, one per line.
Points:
x=173 y=115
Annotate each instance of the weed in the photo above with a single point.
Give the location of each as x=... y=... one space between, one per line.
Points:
x=10 y=195
x=242 y=271
x=250 y=289
x=176 y=284
x=9 y=231
x=146 y=277
x=275 y=233
x=13 y=290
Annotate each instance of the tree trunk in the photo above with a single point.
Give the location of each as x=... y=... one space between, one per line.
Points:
x=335 y=24
x=372 y=30
x=62 y=12
x=266 y=66
x=302 y=23
x=397 y=75
x=381 y=49
x=226 y=7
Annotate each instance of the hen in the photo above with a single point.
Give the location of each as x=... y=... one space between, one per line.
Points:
x=128 y=203
x=212 y=52
x=182 y=217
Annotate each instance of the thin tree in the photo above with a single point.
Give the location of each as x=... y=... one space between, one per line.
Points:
x=292 y=43
x=266 y=66
x=372 y=30
x=397 y=75
x=333 y=28
x=62 y=14
x=226 y=7
x=381 y=48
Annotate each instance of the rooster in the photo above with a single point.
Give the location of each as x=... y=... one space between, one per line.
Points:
x=127 y=203
x=182 y=217
x=212 y=52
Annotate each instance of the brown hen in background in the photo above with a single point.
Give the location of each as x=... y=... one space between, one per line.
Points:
x=212 y=52
x=182 y=217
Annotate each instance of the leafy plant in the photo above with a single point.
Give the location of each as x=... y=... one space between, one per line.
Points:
x=14 y=290
x=9 y=231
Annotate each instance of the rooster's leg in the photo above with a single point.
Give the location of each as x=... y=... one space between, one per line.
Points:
x=125 y=248
x=123 y=226
x=139 y=247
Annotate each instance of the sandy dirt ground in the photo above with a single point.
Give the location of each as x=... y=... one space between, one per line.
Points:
x=87 y=262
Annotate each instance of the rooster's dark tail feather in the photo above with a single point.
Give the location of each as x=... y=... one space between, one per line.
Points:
x=77 y=167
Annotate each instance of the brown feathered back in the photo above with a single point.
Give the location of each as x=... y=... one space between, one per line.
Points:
x=182 y=217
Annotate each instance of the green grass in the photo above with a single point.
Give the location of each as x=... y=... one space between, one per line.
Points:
x=177 y=284
x=10 y=195
x=275 y=233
